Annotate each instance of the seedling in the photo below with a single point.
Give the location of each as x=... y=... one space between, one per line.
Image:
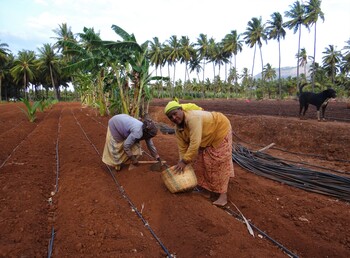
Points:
x=31 y=109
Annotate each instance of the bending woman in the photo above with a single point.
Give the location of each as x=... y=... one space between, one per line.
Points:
x=204 y=139
x=123 y=138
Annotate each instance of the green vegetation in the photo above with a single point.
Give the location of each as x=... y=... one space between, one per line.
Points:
x=115 y=77
x=31 y=109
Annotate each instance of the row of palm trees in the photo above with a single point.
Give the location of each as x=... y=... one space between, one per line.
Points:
x=196 y=55
x=116 y=74
x=30 y=68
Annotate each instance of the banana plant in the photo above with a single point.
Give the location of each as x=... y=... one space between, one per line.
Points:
x=134 y=62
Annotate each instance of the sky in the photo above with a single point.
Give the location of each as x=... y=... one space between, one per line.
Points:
x=28 y=24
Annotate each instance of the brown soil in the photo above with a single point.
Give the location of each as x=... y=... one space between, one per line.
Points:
x=53 y=180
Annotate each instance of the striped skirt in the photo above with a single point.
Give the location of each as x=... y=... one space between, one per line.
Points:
x=114 y=154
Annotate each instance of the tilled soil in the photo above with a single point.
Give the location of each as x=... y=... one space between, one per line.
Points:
x=58 y=199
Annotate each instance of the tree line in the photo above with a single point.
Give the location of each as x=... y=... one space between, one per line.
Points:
x=114 y=76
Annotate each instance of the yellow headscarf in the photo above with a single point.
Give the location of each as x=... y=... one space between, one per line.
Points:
x=172 y=105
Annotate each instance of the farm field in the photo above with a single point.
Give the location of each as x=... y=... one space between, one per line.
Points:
x=58 y=198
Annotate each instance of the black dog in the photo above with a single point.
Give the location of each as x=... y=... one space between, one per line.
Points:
x=317 y=99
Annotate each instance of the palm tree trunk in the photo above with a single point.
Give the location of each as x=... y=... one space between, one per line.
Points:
x=313 y=64
x=174 y=74
x=214 y=69
x=236 y=69
x=161 y=89
x=25 y=86
x=53 y=83
x=298 y=83
x=279 y=70
x=203 y=69
x=262 y=65
x=253 y=61
x=203 y=89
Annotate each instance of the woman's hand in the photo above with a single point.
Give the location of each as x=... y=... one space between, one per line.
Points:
x=180 y=166
x=134 y=160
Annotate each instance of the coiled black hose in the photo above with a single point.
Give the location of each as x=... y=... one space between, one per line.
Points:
x=310 y=180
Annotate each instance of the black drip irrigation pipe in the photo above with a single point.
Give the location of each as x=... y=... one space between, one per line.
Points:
x=304 y=163
x=240 y=218
x=125 y=196
x=292 y=152
x=315 y=166
x=310 y=180
x=57 y=154
x=297 y=153
x=50 y=248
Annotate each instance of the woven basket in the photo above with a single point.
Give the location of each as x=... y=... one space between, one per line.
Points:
x=179 y=182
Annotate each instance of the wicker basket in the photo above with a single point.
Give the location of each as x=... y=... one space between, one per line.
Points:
x=179 y=182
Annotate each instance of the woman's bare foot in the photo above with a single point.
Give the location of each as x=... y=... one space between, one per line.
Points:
x=222 y=200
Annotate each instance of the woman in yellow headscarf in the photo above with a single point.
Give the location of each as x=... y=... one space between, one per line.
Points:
x=204 y=139
x=186 y=106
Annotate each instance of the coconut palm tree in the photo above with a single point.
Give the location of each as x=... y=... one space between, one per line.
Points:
x=269 y=75
x=156 y=54
x=233 y=76
x=187 y=49
x=195 y=64
x=345 y=65
x=246 y=80
x=64 y=34
x=313 y=12
x=24 y=68
x=174 y=53
x=269 y=72
x=203 y=48
x=255 y=35
x=321 y=77
x=233 y=44
x=213 y=52
x=346 y=48
x=157 y=58
x=276 y=31
x=49 y=63
x=331 y=61
x=4 y=53
x=297 y=18
x=222 y=57
x=302 y=59
x=10 y=87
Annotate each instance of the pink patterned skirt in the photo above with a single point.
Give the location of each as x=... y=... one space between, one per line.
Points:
x=214 y=166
